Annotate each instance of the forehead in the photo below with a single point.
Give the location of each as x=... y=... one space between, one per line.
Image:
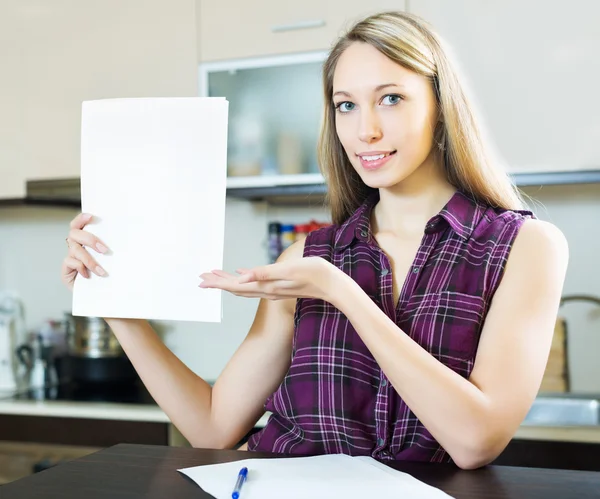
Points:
x=362 y=67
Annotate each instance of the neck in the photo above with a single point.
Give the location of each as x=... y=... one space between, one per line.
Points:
x=404 y=209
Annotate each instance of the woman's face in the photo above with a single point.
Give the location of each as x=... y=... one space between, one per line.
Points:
x=385 y=115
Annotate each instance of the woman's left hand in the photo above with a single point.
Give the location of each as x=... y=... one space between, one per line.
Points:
x=309 y=277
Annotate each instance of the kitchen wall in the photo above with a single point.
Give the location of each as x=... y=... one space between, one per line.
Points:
x=32 y=246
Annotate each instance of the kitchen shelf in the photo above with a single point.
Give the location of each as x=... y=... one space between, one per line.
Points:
x=296 y=187
x=306 y=189
x=279 y=189
x=527 y=179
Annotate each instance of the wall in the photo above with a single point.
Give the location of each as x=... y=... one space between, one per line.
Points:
x=32 y=246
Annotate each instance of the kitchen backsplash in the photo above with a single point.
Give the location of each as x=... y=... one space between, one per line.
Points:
x=32 y=246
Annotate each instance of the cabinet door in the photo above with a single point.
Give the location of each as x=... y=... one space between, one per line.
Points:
x=76 y=51
x=232 y=29
x=533 y=68
x=12 y=175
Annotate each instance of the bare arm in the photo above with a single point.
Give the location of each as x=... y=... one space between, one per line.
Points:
x=216 y=417
x=475 y=419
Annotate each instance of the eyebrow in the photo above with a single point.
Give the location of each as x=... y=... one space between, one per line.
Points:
x=377 y=89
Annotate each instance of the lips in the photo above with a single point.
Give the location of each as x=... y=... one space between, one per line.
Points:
x=374 y=160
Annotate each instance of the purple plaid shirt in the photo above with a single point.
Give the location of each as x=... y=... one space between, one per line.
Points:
x=335 y=398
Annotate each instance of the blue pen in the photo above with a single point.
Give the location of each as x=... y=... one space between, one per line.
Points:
x=243 y=474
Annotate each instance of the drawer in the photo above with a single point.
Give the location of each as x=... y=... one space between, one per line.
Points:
x=229 y=29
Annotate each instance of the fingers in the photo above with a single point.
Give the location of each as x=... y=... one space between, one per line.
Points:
x=247 y=277
x=77 y=252
x=72 y=266
x=222 y=273
x=272 y=272
x=85 y=238
x=78 y=260
x=80 y=221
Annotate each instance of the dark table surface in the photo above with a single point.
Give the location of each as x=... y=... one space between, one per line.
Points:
x=136 y=471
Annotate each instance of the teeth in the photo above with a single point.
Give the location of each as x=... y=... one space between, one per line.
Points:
x=374 y=158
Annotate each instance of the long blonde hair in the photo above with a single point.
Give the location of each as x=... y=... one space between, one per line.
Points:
x=409 y=41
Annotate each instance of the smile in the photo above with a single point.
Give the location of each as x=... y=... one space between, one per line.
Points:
x=372 y=162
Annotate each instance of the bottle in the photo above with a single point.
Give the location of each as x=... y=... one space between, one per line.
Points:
x=274 y=241
x=37 y=379
x=288 y=236
x=302 y=231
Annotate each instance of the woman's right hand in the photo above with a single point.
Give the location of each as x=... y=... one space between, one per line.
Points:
x=78 y=260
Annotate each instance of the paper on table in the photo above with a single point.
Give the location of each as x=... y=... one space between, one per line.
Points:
x=153 y=174
x=328 y=476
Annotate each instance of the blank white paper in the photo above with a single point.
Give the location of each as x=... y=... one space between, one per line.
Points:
x=153 y=174
x=326 y=477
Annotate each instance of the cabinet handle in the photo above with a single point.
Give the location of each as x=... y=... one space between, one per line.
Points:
x=319 y=23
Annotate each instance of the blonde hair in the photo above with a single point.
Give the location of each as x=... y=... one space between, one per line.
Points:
x=409 y=41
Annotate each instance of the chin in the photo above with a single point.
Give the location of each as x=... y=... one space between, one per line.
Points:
x=382 y=179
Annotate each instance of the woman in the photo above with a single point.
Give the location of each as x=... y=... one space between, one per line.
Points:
x=418 y=325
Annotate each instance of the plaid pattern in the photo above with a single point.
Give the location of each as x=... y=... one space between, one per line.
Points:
x=335 y=398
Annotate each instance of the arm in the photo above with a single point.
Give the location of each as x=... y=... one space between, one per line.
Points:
x=208 y=417
x=475 y=419
x=220 y=416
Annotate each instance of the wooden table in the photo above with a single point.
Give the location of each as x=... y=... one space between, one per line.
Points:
x=146 y=471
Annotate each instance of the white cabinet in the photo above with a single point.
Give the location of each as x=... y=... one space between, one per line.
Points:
x=533 y=67
x=74 y=51
x=232 y=29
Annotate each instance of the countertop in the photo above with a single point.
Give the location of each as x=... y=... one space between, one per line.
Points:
x=153 y=413
x=91 y=410
x=141 y=471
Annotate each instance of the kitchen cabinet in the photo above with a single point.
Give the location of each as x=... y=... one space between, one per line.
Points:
x=12 y=175
x=71 y=51
x=533 y=69
x=18 y=459
x=232 y=29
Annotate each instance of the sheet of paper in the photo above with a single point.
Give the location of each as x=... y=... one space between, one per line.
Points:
x=153 y=174
x=315 y=477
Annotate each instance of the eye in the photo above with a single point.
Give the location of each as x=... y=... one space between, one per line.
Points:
x=344 y=107
x=391 y=99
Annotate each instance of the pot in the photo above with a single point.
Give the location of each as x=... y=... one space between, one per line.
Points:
x=90 y=337
x=99 y=370
x=94 y=354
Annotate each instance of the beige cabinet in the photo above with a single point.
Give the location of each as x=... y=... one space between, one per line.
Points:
x=533 y=69
x=12 y=143
x=73 y=51
x=232 y=29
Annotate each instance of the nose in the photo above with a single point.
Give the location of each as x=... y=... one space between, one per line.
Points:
x=369 y=128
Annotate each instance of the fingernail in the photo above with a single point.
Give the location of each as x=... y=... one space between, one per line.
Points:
x=100 y=270
x=101 y=248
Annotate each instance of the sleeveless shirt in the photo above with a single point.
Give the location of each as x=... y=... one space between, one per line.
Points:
x=335 y=398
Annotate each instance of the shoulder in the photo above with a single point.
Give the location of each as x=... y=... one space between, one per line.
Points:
x=319 y=242
x=495 y=221
x=542 y=241
x=292 y=252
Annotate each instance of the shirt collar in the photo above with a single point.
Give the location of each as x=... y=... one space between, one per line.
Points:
x=461 y=213
x=358 y=225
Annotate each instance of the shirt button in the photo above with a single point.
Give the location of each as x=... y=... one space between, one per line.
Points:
x=415 y=270
x=385 y=272
x=384 y=382
x=364 y=233
x=380 y=442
